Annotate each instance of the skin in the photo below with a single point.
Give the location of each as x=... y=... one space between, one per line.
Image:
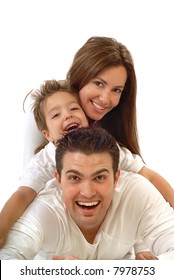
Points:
x=103 y=93
x=62 y=114
x=145 y=256
x=87 y=180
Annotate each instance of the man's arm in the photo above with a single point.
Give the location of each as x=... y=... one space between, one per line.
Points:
x=156 y=226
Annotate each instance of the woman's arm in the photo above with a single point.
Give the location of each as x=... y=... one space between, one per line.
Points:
x=134 y=163
x=160 y=183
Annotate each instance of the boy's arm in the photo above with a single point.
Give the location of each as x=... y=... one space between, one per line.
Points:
x=37 y=229
x=160 y=183
x=13 y=209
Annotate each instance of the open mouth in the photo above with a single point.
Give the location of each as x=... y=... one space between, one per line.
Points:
x=88 y=205
x=97 y=106
x=71 y=127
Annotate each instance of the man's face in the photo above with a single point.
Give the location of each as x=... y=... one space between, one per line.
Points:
x=87 y=183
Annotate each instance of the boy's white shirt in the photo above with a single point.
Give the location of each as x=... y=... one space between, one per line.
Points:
x=41 y=167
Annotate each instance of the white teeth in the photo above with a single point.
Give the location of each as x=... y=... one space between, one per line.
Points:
x=87 y=204
x=98 y=106
x=71 y=127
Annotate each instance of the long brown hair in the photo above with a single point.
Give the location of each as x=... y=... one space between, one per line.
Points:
x=97 y=54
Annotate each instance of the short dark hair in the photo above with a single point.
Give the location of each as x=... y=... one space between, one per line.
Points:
x=87 y=140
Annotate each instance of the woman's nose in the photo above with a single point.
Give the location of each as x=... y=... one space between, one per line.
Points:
x=105 y=97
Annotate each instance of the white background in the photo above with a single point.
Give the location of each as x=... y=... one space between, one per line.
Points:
x=38 y=39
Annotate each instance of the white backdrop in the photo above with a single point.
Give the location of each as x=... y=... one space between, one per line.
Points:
x=38 y=39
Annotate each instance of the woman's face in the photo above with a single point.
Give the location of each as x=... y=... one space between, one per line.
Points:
x=103 y=93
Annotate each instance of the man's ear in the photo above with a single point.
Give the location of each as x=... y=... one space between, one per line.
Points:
x=56 y=174
x=117 y=175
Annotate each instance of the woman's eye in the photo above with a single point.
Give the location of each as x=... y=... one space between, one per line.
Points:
x=98 y=83
x=117 y=91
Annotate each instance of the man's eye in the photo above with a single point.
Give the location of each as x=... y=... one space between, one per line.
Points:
x=100 y=178
x=73 y=178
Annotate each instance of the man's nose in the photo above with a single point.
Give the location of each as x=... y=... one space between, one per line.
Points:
x=88 y=190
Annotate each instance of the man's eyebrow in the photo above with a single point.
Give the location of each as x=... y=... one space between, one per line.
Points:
x=101 y=171
x=73 y=171
x=93 y=174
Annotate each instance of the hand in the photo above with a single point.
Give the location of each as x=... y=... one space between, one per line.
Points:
x=146 y=255
x=67 y=258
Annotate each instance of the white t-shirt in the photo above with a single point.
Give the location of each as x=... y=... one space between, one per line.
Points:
x=41 y=167
x=46 y=226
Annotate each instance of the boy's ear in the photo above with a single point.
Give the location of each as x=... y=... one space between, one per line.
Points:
x=46 y=135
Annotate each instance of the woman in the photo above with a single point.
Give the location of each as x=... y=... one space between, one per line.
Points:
x=105 y=55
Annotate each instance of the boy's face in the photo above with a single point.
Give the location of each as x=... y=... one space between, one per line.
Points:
x=63 y=114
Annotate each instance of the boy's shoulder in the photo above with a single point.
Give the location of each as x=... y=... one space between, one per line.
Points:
x=46 y=154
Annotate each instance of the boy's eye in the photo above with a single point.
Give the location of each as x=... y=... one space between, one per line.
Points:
x=55 y=115
x=75 y=108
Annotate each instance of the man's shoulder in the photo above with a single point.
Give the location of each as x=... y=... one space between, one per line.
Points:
x=51 y=188
x=131 y=178
x=137 y=187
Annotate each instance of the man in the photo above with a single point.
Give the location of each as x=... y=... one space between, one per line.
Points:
x=93 y=212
